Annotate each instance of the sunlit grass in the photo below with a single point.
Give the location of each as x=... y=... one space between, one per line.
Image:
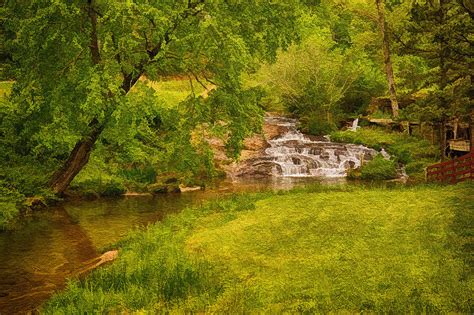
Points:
x=174 y=91
x=330 y=249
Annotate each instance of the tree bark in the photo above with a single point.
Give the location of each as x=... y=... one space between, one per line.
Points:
x=77 y=159
x=387 y=58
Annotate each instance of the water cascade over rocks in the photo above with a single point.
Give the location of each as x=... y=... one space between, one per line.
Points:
x=293 y=154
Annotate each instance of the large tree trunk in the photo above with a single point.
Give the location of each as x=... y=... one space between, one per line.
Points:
x=77 y=159
x=387 y=57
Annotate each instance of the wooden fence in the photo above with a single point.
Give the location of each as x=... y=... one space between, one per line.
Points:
x=453 y=171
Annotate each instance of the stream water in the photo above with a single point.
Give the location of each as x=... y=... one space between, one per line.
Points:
x=53 y=245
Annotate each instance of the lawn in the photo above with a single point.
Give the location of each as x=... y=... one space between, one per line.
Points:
x=404 y=249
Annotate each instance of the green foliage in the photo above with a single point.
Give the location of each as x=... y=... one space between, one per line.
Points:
x=404 y=148
x=10 y=201
x=314 y=250
x=314 y=124
x=5 y=88
x=435 y=57
x=75 y=64
x=331 y=73
x=100 y=187
x=379 y=168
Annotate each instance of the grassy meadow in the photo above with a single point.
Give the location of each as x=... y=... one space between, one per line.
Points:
x=318 y=249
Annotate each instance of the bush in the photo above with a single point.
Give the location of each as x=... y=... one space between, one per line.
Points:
x=10 y=200
x=317 y=125
x=100 y=187
x=379 y=168
x=112 y=188
x=145 y=174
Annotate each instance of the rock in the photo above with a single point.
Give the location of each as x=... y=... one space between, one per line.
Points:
x=35 y=203
x=183 y=188
x=259 y=169
x=316 y=138
x=134 y=193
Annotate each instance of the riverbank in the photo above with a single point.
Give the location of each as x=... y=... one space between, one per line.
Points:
x=315 y=249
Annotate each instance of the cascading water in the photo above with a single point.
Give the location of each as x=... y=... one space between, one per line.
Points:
x=293 y=154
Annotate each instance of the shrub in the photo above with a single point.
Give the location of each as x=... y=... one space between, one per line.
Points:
x=112 y=188
x=100 y=187
x=379 y=168
x=317 y=125
x=10 y=201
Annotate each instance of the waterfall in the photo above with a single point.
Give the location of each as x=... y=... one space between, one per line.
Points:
x=293 y=154
x=355 y=124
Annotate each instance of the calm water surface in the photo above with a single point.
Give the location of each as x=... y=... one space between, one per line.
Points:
x=55 y=244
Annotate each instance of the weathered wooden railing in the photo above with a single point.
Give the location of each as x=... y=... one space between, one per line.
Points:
x=453 y=171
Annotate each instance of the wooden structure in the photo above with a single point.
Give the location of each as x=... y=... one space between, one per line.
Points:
x=461 y=145
x=452 y=171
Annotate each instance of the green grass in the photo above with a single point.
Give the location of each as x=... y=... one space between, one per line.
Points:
x=415 y=153
x=172 y=92
x=327 y=249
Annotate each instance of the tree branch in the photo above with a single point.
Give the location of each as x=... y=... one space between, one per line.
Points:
x=94 y=42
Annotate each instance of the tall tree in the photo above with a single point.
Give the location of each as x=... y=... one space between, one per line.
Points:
x=78 y=60
x=387 y=56
x=440 y=32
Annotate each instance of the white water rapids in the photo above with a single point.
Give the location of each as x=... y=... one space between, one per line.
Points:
x=293 y=154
